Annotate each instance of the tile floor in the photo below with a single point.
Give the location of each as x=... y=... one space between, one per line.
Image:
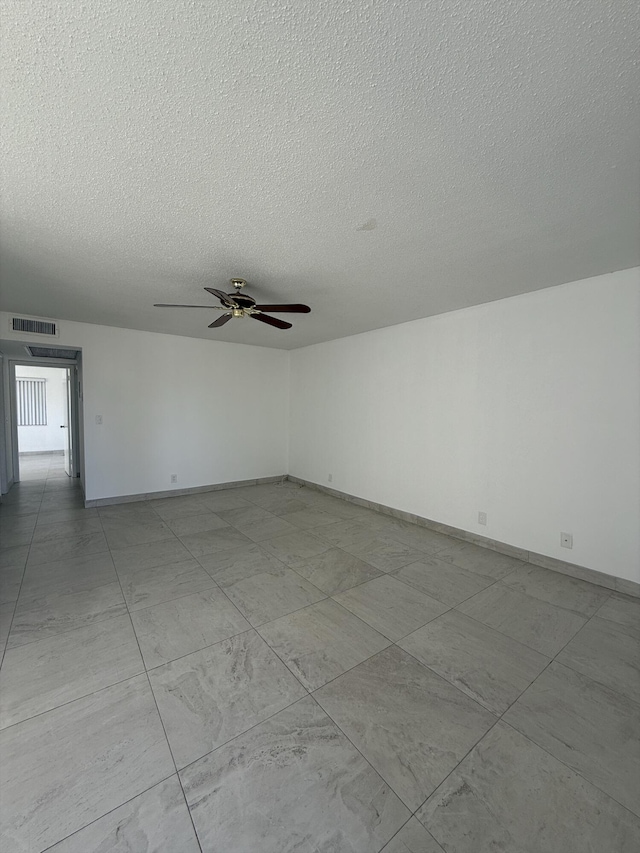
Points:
x=271 y=669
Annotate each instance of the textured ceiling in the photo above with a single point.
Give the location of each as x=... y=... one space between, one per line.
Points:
x=378 y=160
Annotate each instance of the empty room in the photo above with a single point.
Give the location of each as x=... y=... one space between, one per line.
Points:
x=320 y=426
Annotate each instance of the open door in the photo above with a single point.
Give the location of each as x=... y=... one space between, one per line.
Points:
x=67 y=426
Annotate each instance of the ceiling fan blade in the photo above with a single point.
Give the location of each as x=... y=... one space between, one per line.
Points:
x=173 y=305
x=220 y=321
x=223 y=297
x=280 y=309
x=272 y=321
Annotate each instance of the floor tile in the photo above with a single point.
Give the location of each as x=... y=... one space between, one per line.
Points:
x=442 y=581
x=607 y=653
x=412 y=838
x=281 y=504
x=390 y=606
x=147 y=556
x=14 y=557
x=484 y=561
x=146 y=587
x=557 y=589
x=183 y=525
x=175 y=507
x=422 y=538
x=335 y=571
x=592 y=729
x=45 y=674
x=56 y=614
x=64 y=577
x=411 y=725
x=509 y=795
x=6 y=615
x=535 y=623
x=486 y=665
x=176 y=628
x=293 y=783
x=212 y=541
x=229 y=567
x=224 y=499
x=322 y=641
x=156 y=821
x=10 y=582
x=63 y=769
x=55 y=516
x=139 y=511
x=215 y=694
x=70 y=546
x=295 y=547
x=45 y=533
x=267 y=595
x=348 y=534
x=309 y=517
x=624 y=611
x=121 y=534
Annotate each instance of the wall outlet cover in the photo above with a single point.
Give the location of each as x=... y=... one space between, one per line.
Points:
x=330 y=478
x=482 y=518
x=566 y=540
x=174 y=478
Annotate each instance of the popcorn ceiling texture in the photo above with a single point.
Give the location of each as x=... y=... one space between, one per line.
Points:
x=381 y=161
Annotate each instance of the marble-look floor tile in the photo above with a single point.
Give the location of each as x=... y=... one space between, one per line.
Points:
x=390 y=606
x=488 y=666
x=147 y=556
x=335 y=571
x=65 y=577
x=412 y=838
x=269 y=528
x=215 y=694
x=184 y=525
x=281 y=504
x=509 y=795
x=156 y=821
x=146 y=587
x=348 y=534
x=229 y=567
x=293 y=783
x=624 y=611
x=322 y=641
x=14 y=557
x=56 y=614
x=121 y=534
x=70 y=546
x=45 y=533
x=267 y=595
x=422 y=538
x=309 y=517
x=295 y=547
x=177 y=506
x=42 y=675
x=592 y=729
x=443 y=581
x=607 y=653
x=10 y=582
x=411 y=725
x=6 y=615
x=134 y=512
x=224 y=499
x=63 y=769
x=528 y=620
x=55 y=516
x=212 y=541
x=176 y=628
x=557 y=589
x=484 y=561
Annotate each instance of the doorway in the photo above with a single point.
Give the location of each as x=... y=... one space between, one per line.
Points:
x=45 y=421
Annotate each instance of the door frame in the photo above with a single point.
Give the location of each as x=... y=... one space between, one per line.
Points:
x=74 y=429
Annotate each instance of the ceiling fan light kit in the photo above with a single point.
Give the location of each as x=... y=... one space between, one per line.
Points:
x=242 y=305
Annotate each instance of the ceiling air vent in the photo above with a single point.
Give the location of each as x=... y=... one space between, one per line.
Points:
x=51 y=352
x=34 y=327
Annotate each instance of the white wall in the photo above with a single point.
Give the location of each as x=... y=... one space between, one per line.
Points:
x=208 y=411
x=527 y=409
x=49 y=437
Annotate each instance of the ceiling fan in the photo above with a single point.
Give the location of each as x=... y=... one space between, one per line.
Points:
x=240 y=305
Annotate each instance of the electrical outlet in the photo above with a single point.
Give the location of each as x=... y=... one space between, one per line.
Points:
x=566 y=540
x=330 y=478
x=482 y=518
x=174 y=478
x=98 y=419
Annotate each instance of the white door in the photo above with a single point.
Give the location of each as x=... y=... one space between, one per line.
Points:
x=67 y=426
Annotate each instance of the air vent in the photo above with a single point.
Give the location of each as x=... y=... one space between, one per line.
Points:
x=50 y=352
x=34 y=327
